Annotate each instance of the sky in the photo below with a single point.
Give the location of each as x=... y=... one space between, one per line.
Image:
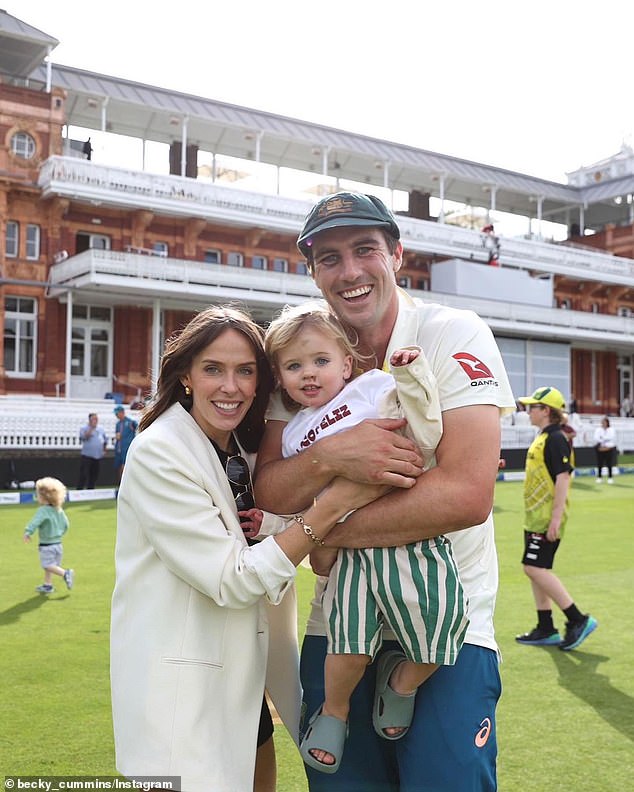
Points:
x=543 y=87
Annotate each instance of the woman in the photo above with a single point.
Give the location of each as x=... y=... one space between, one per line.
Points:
x=605 y=447
x=190 y=627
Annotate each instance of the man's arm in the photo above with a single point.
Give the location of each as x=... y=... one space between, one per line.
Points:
x=369 y=453
x=456 y=494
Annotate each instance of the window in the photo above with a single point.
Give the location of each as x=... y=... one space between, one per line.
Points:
x=23 y=145
x=623 y=310
x=259 y=262
x=235 y=259
x=280 y=265
x=20 y=315
x=213 y=257
x=160 y=249
x=594 y=308
x=87 y=241
x=422 y=284
x=12 y=242
x=404 y=281
x=302 y=268
x=564 y=303
x=32 y=241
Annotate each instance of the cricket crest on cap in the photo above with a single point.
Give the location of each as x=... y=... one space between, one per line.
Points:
x=336 y=205
x=346 y=209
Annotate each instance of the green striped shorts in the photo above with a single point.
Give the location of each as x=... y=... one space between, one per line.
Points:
x=414 y=590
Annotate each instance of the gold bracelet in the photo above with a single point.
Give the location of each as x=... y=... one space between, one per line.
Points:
x=308 y=530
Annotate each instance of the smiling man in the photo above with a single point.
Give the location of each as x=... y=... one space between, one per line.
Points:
x=352 y=245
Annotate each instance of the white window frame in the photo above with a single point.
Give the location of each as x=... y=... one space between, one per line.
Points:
x=262 y=263
x=212 y=257
x=20 y=317
x=302 y=268
x=235 y=259
x=624 y=310
x=23 y=145
x=33 y=236
x=12 y=241
x=280 y=265
x=404 y=281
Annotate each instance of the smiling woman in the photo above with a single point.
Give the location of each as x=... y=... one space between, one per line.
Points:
x=190 y=617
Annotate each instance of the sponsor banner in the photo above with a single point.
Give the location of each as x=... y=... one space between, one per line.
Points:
x=9 y=497
x=90 y=495
x=13 y=498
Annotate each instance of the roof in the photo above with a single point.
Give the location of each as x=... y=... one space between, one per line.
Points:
x=22 y=47
x=157 y=114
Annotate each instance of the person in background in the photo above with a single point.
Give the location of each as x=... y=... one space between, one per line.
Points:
x=93 y=447
x=491 y=243
x=572 y=409
x=626 y=407
x=351 y=242
x=51 y=523
x=125 y=431
x=87 y=149
x=190 y=623
x=546 y=488
x=568 y=429
x=605 y=449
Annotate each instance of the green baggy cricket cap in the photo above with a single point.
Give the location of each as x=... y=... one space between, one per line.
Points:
x=346 y=209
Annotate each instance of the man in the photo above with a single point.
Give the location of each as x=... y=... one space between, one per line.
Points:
x=93 y=447
x=125 y=430
x=352 y=245
x=548 y=470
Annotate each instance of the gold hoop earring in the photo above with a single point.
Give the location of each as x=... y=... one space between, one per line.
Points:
x=188 y=390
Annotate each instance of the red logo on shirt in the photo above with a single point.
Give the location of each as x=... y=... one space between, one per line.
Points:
x=472 y=366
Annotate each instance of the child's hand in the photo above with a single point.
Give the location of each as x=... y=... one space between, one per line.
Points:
x=26 y=538
x=401 y=357
x=251 y=522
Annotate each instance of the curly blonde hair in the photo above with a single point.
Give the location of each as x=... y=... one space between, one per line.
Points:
x=292 y=319
x=51 y=491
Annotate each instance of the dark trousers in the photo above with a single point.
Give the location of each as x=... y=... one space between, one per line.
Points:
x=606 y=459
x=88 y=472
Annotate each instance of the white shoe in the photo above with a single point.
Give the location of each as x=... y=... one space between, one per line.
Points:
x=610 y=481
x=599 y=481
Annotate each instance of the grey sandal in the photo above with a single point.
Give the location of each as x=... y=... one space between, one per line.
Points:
x=391 y=710
x=324 y=733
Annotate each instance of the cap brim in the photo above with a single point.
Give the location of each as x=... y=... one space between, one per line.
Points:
x=341 y=222
x=529 y=400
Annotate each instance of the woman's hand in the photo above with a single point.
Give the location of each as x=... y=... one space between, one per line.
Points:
x=355 y=494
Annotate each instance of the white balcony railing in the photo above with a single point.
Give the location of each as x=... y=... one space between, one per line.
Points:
x=176 y=195
x=149 y=277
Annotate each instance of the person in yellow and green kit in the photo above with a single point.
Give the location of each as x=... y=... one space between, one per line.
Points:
x=546 y=486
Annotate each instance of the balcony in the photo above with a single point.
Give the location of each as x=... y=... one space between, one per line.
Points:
x=183 y=197
x=115 y=278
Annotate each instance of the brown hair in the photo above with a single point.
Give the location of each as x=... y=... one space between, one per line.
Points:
x=294 y=318
x=182 y=348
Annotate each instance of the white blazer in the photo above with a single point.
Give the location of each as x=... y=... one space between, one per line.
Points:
x=190 y=622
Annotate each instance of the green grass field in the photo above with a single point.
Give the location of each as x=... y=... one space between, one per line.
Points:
x=565 y=721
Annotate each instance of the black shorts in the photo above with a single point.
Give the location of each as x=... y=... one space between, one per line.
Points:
x=265 y=729
x=538 y=551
